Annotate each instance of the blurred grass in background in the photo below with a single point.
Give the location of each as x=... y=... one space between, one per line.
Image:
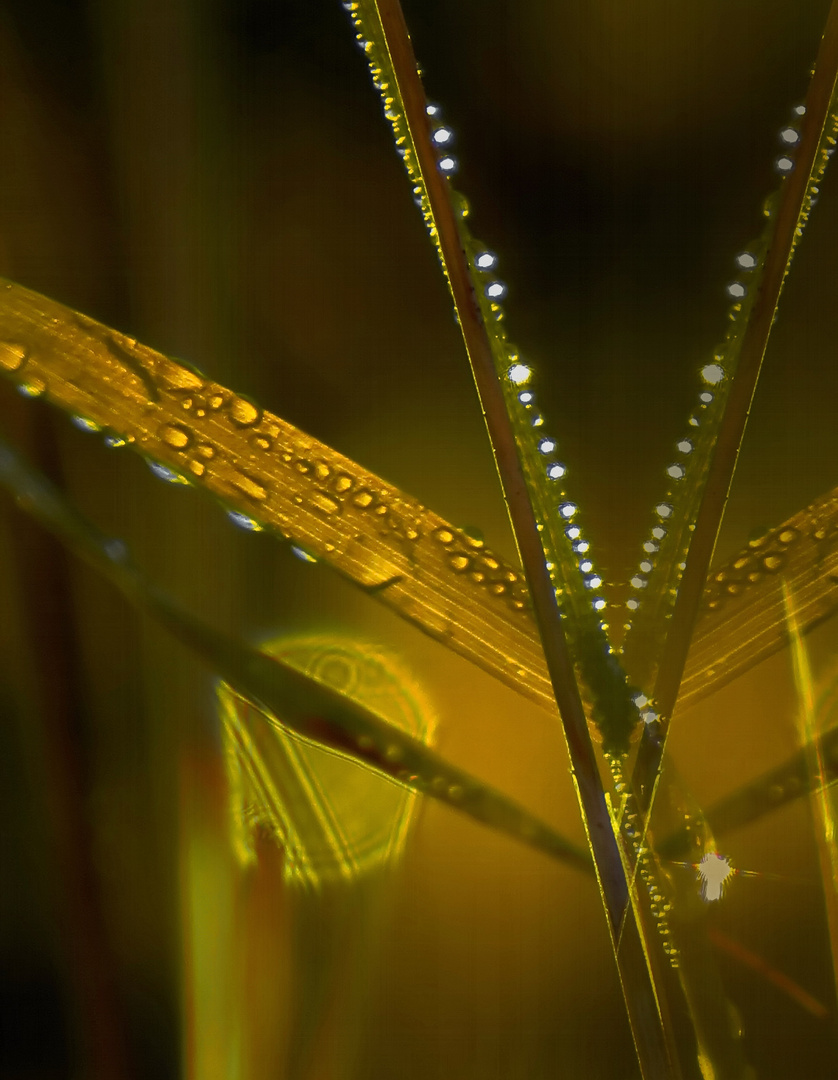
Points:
x=215 y=178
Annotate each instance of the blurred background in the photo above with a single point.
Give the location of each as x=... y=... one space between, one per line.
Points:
x=216 y=179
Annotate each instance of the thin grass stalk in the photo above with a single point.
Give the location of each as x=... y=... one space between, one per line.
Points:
x=820 y=800
x=655 y=1056
x=792 y=213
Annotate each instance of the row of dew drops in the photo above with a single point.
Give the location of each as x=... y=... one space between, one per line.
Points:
x=520 y=373
x=714 y=375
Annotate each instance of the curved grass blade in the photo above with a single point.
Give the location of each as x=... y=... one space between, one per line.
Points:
x=742 y=617
x=409 y=559
x=312 y=710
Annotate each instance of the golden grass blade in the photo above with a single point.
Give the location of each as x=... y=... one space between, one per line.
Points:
x=410 y=559
x=742 y=619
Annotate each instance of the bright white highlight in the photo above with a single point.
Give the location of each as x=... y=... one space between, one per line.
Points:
x=518 y=374
x=714 y=872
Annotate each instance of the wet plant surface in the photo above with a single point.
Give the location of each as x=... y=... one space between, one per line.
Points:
x=220 y=185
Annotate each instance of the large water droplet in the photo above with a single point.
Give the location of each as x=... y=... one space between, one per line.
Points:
x=33 y=388
x=712 y=373
x=519 y=374
x=176 y=436
x=363 y=498
x=243 y=412
x=12 y=357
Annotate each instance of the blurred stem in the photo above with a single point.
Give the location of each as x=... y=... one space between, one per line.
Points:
x=46 y=622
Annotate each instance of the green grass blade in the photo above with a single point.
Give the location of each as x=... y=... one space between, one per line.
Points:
x=311 y=709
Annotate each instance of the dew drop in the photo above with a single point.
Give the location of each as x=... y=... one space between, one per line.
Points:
x=260 y=442
x=496 y=290
x=712 y=373
x=772 y=562
x=632 y=605
x=206 y=451
x=12 y=357
x=677 y=472
x=519 y=374
x=567 y=509
x=442 y=136
x=637 y=582
x=242 y=521
x=573 y=532
x=83 y=424
x=181 y=378
x=784 y=164
x=34 y=388
x=789 y=136
x=486 y=260
x=581 y=546
x=459 y=562
x=197 y=467
x=114 y=441
x=216 y=402
x=322 y=470
x=525 y=397
x=646 y=566
x=176 y=436
x=443 y=536
x=556 y=471
x=448 y=165
x=163 y=472
x=685 y=446
x=746 y=260
x=243 y=412
x=736 y=290
x=663 y=510
x=363 y=498
x=342 y=483
x=787 y=536
x=705 y=397
x=547 y=446
x=306 y=556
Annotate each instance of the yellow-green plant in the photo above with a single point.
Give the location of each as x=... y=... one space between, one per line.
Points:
x=549 y=629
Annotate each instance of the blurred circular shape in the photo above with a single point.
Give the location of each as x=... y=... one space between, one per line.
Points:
x=334 y=818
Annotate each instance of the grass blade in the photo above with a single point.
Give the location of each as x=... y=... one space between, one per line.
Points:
x=817 y=138
x=310 y=709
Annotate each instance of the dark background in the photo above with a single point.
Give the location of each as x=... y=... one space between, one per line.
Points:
x=217 y=179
